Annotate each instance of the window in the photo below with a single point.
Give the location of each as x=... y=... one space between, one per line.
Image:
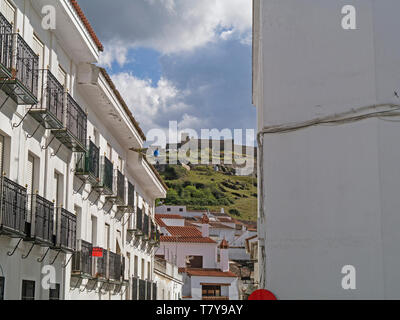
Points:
x=148 y=271
x=168 y=209
x=54 y=294
x=2 y=283
x=8 y=10
x=194 y=262
x=38 y=48
x=211 y=291
x=28 y=290
x=180 y=209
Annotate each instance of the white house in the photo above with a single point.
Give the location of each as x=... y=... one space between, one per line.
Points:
x=76 y=204
x=203 y=263
x=326 y=78
x=169 y=280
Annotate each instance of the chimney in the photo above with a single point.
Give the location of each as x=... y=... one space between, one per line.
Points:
x=224 y=256
x=205 y=227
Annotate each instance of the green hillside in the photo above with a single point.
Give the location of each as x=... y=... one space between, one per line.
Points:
x=203 y=188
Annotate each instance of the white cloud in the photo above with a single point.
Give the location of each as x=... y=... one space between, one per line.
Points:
x=150 y=103
x=170 y=26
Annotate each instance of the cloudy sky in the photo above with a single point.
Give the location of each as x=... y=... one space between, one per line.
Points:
x=179 y=60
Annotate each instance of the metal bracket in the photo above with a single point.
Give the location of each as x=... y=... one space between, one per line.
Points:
x=54 y=260
x=40 y=260
x=95 y=284
x=69 y=260
x=91 y=191
x=29 y=252
x=81 y=187
x=55 y=153
x=11 y=253
x=101 y=288
x=78 y=284
x=127 y=220
x=48 y=145
x=23 y=118
x=28 y=136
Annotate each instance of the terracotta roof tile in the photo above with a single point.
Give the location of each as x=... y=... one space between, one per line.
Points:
x=207 y=273
x=220 y=225
x=184 y=231
x=226 y=220
x=169 y=216
x=224 y=244
x=87 y=24
x=160 y=222
x=187 y=239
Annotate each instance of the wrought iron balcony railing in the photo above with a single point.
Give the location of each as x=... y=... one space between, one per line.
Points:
x=5 y=47
x=146 y=225
x=149 y=287
x=50 y=111
x=119 y=188
x=73 y=136
x=115 y=267
x=22 y=87
x=106 y=176
x=142 y=289
x=135 y=288
x=101 y=266
x=131 y=196
x=40 y=222
x=155 y=291
x=65 y=231
x=139 y=220
x=82 y=261
x=13 y=203
x=88 y=164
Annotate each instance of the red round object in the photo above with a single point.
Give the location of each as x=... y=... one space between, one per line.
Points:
x=262 y=295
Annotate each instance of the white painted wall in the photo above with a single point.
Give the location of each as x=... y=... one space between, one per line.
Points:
x=331 y=191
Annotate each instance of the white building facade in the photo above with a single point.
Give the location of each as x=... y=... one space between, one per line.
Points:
x=326 y=83
x=72 y=189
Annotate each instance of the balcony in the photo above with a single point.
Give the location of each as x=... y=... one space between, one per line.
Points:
x=131 y=196
x=115 y=270
x=146 y=227
x=118 y=196
x=88 y=165
x=135 y=287
x=82 y=261
x=13 y=201
x=22 y=86
x=106 y=176
x=40 y=224
x=73 y=135
x=50 y=111
x=101 y=266
x=142 y=289
x=5 y=47
x=139 y=222
x=65 y=231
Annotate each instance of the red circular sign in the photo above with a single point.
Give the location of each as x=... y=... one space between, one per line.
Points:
x=262 y=295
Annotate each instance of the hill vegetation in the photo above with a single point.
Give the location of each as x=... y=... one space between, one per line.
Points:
x=202 y=188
